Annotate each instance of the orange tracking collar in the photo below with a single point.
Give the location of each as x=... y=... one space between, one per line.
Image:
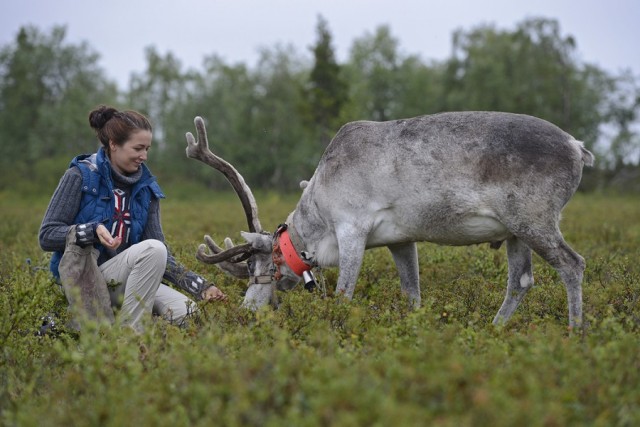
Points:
x=291 y=257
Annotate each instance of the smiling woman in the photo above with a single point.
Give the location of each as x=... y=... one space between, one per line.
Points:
x=127 y=158
x=109 y=203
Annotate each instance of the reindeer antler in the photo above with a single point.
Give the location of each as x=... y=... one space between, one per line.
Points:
x=233 y=254
x=199 y=150
x=237 y=269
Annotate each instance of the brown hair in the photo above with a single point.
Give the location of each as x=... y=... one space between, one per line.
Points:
x=117 y=126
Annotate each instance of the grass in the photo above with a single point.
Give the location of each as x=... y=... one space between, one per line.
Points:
x=319 y=362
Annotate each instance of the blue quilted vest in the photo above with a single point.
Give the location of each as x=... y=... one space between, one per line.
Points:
x=97 y=203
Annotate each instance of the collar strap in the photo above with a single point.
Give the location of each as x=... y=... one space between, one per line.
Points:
x=290 y=255
x=261 y=280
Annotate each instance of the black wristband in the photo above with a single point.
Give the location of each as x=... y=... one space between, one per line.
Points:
x=86 y=234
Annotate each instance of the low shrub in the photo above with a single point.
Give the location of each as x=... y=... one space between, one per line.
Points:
x=318 y=360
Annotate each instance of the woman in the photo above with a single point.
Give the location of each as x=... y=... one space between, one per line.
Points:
x=113 y=200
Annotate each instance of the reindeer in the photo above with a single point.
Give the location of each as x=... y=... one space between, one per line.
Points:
x=458 y=178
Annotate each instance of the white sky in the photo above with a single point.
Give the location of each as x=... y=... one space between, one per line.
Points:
x=607 y=32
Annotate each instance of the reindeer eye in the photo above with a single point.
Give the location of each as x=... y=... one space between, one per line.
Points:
x=250 y=266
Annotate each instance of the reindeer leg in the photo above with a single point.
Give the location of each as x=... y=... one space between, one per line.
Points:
x=520 y=278
x=351 y=246
x=569 y=264
x=405 y=256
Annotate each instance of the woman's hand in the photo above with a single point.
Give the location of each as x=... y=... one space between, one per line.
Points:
x=106 y=238
x=213 y=294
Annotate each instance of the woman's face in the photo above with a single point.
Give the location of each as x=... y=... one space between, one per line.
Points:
x=127 y=158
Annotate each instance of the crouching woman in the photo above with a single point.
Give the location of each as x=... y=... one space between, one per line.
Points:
x=109 y=202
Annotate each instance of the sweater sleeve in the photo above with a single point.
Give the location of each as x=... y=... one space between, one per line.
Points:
x=175 y=274
x=61 y=212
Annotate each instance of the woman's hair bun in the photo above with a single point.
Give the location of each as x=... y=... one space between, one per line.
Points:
x=100 y=116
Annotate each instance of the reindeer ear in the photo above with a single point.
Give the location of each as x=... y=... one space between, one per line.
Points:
x=258 y=241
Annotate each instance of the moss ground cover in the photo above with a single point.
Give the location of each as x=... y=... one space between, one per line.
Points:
x=318 y=361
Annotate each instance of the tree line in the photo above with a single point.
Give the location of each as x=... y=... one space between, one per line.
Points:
x=273 y=120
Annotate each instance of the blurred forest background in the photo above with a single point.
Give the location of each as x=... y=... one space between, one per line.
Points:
x=273 y=120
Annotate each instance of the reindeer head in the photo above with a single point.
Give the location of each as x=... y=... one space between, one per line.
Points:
x=258 y=259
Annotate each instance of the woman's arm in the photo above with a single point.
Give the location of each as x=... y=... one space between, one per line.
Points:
x=61 y=212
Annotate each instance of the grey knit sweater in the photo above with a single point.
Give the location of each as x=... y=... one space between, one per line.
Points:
x=64 y=206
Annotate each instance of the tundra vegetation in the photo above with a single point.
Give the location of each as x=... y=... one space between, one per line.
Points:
x=316 y=361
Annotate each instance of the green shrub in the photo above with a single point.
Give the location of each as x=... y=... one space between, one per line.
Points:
x=322 y=361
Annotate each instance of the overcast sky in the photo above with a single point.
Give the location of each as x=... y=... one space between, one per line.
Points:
x=607 y=32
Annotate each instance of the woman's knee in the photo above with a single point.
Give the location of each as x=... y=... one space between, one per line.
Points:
x=154 y=250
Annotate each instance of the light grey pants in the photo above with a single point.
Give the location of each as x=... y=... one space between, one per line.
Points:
x=139 y=293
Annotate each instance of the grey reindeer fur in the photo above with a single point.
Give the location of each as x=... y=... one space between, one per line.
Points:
x=455 y=178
